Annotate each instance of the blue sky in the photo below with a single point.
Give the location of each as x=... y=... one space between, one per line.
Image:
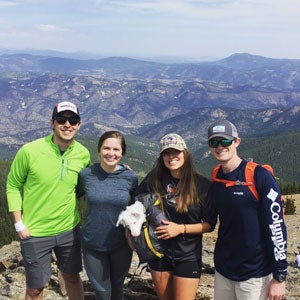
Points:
x=143 y=28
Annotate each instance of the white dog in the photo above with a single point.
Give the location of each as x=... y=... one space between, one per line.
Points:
x=133 y=218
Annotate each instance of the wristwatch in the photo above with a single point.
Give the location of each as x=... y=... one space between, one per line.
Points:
x=279 y=277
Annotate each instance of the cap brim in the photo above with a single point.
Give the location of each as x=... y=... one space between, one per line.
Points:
x=221 y=135
x=173 y=147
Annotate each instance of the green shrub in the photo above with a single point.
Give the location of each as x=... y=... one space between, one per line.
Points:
x=289 y=205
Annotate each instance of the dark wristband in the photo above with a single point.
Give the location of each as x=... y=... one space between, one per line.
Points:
x=279 y=277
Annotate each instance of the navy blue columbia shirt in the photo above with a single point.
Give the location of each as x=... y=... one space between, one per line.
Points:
x=252 y=237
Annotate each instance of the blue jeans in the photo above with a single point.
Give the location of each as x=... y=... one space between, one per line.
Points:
x=107 y=271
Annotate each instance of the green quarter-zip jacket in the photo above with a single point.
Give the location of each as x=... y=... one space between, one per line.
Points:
x=41 y=183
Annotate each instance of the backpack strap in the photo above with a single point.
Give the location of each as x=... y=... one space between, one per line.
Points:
x=269 y=168
x=249 y=178
x=215 y=172
x=227 y=182
x=214 y=177
x=148 y=241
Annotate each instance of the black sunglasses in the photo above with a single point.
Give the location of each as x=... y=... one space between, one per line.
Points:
x=72 y=120
x=215 y=143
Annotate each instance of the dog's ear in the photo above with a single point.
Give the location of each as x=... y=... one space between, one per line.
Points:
x=120 y=219
x=118 y=223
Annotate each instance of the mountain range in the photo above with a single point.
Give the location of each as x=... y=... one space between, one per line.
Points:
x=148 y=99
x=136 y=96
x=240 y=69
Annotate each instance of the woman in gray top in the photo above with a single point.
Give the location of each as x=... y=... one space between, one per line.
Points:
x=108 y=187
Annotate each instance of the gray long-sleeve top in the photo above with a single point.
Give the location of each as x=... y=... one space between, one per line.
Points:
x=107 y=195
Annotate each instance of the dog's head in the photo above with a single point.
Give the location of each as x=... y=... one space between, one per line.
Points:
x=133 y=217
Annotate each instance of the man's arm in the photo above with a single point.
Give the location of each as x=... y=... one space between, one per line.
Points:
x=275 y=230
x=15 y=181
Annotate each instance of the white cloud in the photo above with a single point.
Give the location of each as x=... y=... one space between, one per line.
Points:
x=156 y=6
x=183 y=27
x=211 y=8
x=8 y=3
x=51 y=28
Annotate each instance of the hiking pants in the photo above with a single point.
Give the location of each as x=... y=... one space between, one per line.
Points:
x=107 y=271
x=251 y=289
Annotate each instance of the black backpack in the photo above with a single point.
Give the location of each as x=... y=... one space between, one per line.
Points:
x=147 y=245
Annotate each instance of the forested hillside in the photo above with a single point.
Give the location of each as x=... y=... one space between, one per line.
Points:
x=7 y=230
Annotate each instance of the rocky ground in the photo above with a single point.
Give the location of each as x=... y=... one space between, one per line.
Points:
x=138 y=283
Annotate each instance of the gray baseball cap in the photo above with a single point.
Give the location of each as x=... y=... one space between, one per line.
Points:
x=222 y=128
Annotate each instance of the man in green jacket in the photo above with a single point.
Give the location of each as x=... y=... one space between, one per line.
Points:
x=41 y=197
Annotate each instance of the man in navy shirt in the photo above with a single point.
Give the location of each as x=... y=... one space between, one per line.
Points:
x=250 y=253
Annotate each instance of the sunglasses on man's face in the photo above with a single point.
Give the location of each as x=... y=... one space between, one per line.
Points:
x=72 y=120
x=215 y=143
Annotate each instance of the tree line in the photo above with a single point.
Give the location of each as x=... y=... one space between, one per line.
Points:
x=7 y=231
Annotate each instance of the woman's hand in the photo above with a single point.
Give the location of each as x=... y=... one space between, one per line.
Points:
x=169 y=230
x=127 y=236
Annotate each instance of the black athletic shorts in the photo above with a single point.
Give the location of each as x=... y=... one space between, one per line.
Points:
x=188 y=269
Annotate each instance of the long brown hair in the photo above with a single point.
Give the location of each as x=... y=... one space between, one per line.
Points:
x=187 y=187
